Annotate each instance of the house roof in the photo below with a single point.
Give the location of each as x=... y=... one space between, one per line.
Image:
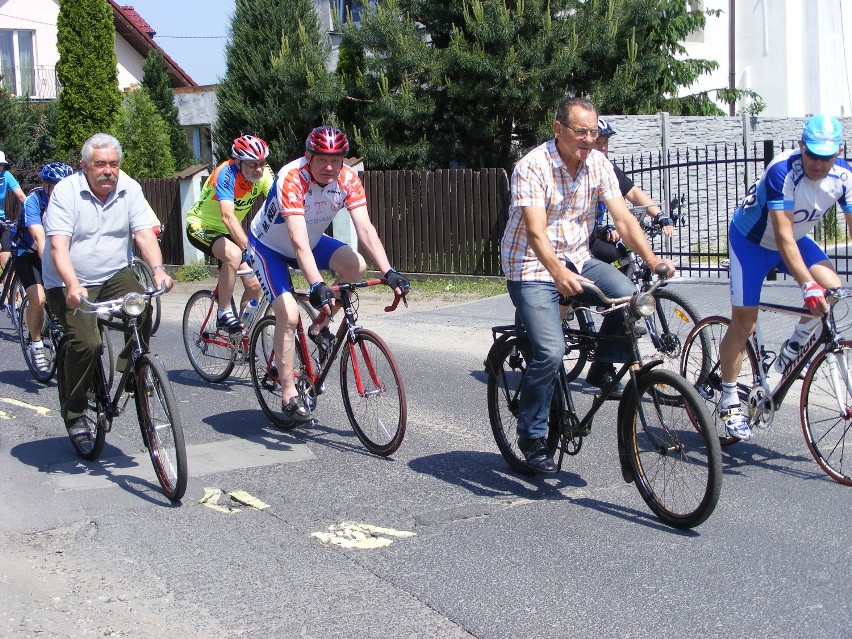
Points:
x=139 y=35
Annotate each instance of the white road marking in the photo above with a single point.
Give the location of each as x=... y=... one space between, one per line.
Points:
x=350 y=534
x=41 y=410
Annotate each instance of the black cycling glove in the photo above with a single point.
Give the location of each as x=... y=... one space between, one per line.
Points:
x=320 y=295
x=395 y=280
x=663 y=220
x=603 y=231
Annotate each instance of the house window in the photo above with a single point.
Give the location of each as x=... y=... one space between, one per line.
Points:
x=343 y=8
x=17 y=62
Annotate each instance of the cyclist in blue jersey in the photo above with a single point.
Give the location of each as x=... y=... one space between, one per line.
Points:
x=29 y=250
x=770 y=230
x=7 y=182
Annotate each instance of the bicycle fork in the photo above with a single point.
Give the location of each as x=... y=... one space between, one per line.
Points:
x=838 y=369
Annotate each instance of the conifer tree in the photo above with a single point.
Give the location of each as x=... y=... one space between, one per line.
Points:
x=144 y=137
x=276 y=84
x=87 y=71
x=156 y=81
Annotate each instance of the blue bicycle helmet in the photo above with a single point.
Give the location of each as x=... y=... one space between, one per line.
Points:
x=55 y=171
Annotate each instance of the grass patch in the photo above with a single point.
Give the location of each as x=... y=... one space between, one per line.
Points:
x=192 y=272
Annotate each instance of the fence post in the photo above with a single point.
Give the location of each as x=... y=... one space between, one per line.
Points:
x=665 y=143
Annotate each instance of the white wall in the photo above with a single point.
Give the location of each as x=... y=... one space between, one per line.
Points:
x=31 y=15
x=795 y=53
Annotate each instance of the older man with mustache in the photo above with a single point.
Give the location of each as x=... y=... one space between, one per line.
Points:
x=89 y=224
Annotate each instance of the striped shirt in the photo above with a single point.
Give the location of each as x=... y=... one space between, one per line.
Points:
x=541 y=179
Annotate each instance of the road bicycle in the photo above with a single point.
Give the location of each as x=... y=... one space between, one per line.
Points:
x=212 y=351
x=145 y=276
x=666 y=442
x=664 y=331
x=51 y=334
x=12 y=293
x=824 y=362
x=145 y=379
x=372 y=388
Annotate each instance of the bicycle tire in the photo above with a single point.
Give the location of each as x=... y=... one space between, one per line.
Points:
x=379 y=414
x=827 y=428
x=210 y=351
x=506 y=364
x=15 y=297
x=265 y=378
x=24 y=339
x=159 y=420
x=146 y=278
x=668 y=328
x=577 y=353
x=701 y=367
x=674 y=457
x=96 y=416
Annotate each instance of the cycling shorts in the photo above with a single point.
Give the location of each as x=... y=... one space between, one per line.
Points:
x=751 y=263
x=273 y=269
x=203 y=239
x=5 y=237
x=28 y=269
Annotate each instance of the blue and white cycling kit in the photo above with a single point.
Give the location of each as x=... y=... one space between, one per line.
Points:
x=783 y=187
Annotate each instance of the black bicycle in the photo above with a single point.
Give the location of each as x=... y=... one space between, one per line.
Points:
x=145 y=379
x=666 y=441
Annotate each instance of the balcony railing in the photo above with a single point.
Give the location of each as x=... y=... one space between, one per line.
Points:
x=38 y=83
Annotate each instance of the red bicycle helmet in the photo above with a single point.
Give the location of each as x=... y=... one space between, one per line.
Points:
x=328 y=141
x=248 y=147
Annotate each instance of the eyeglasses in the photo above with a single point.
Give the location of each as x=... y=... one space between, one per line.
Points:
x=819 y=158
x=254 y=166
x=581 y=133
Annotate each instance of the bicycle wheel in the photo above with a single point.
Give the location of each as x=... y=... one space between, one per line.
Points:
x=700 y=366
x=577 y=352
x=210 y=351
x=672 y=451
x=668 y=329
x=146 y=278
x=96 y=416
x=264 y=373
x=49 y=348
x=159 y=420
x=15 y=298
x=826 y=411
x=373 y=393
x=507 y=365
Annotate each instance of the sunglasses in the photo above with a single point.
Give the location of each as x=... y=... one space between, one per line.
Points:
x=819 y=158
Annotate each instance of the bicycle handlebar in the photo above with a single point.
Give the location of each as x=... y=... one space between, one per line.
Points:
x=351 y=286
x=115 y=306
x=661 y=271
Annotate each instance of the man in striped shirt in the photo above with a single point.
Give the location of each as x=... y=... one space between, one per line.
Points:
x=545 y=253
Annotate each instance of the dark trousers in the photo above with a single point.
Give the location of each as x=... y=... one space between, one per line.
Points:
x=82 y=329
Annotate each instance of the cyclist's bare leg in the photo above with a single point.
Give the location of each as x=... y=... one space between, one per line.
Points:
x=284 y=342
x=4 y=258
x=251 y=288
x=350 y=267
x=230 y=255
x=35 y=310
x=732 y=348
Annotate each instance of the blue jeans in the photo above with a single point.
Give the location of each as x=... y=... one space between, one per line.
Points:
x=537 y=304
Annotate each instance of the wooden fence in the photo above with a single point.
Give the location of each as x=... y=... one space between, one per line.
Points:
x=445 y=221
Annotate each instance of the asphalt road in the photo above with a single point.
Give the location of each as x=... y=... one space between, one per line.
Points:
x=94 y=549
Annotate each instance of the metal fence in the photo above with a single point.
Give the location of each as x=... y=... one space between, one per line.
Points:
x=451 y=221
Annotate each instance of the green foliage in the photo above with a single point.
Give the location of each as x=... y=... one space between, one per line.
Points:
x=28 y=137
x=87 y=71
x=192 y=272
x=144 y=138
x=443 y=83
x=276 y=85
x=156 y=81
